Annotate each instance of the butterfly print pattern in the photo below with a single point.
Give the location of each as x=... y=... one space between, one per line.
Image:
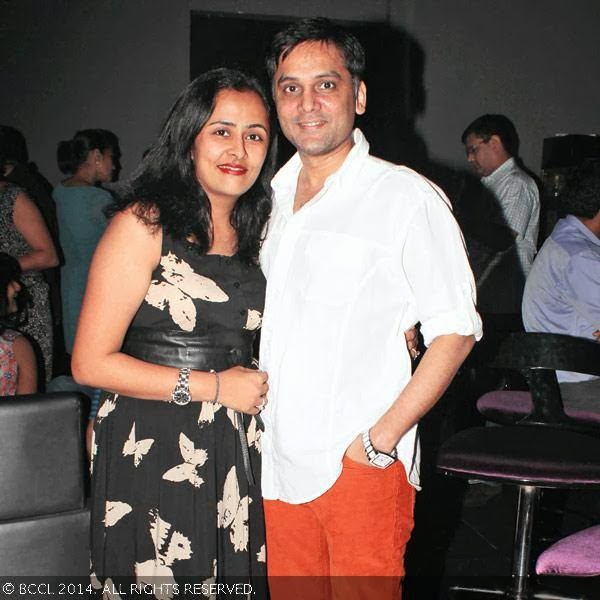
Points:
x=179 y=287
x=136 y=449
x=171 y=501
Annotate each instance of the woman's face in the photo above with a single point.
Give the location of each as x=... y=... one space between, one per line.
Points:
x=229 y=151
x=14 y=287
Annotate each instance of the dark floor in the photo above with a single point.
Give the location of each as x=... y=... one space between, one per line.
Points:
x=453 y=544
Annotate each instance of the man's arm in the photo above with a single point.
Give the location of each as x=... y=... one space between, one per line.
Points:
x=430 y=380
x=582 y=282
x=522 y=206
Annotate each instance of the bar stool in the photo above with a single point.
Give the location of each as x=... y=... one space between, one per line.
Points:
x=577 y=555
x=546 y=449
x=508 y=406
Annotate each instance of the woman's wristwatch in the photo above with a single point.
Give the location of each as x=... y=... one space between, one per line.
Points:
x=181 y=392
x=381 y=460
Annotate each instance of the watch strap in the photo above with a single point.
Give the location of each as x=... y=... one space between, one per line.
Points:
x=372 y=452
x=181 y=392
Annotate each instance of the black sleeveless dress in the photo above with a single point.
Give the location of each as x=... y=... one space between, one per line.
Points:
x=172 y=499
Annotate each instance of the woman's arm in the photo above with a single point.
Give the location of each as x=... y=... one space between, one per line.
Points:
x=30 y=224
x=118 y=280
x=27 y=378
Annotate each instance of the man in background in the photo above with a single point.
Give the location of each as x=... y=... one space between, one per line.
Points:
x=492 y=148
x=562 y=293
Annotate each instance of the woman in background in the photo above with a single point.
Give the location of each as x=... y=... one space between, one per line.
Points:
x=18 y=369
x=174 y=299
x=24 y=236
x=87 y=160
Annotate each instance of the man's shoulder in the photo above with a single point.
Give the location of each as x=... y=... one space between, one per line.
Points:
x=518 y=176
x=570 y=239
x=401 y=182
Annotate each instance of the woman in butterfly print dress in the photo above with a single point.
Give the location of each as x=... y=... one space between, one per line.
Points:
x=175 y=282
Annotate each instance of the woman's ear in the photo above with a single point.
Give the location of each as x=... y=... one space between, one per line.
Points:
x=95 y=156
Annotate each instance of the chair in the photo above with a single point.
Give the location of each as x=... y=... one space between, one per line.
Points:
x=535 y=354
x=44 y=524
x=508 y=406
x=577 y=555
x=545 y=449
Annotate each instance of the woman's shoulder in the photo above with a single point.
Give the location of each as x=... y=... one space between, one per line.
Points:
x=80 y=191
x=10 y=335
x=102 y=193
x=9 y=192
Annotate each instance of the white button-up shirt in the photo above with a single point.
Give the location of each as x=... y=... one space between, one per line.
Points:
x=375 y=251
x=519 y=201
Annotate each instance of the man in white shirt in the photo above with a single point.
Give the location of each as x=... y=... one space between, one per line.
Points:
x=358 y=250
x=492 y=145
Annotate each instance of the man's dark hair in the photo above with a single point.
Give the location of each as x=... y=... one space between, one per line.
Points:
x=164 y=189
x=321 y=30
x=488 y=125
x=581 y=196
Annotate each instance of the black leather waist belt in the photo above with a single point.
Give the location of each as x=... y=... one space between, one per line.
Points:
x=200 y=353
x=181 y=349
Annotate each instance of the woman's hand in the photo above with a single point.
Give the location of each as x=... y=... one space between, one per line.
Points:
x=243 y=389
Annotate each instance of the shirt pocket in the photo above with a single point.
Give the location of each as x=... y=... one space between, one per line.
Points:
x=335 y=268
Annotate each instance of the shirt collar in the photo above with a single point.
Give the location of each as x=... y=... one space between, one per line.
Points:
x=496 y=175
x=575 y=222
x=285 y=181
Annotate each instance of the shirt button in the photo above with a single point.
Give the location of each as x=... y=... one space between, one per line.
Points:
x=242 y=312
x=236 y=284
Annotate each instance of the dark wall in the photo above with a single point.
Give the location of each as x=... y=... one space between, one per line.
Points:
x=534 y=60
x=119 y=64
x=71 y=64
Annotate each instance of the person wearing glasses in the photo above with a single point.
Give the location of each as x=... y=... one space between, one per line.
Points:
x=492 y=148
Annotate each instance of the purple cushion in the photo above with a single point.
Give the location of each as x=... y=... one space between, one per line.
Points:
x=577 y=555
x=507 y=406
x=522 y=454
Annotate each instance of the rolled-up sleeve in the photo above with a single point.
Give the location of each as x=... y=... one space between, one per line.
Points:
x=435 y=264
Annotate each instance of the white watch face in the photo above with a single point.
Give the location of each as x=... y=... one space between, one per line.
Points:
x=382 y=461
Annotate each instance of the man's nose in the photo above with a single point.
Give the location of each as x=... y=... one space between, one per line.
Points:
x=308 y=101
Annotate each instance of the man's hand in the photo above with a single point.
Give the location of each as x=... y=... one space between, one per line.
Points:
x=412 y=342
x=596 y=334
x=356 y=452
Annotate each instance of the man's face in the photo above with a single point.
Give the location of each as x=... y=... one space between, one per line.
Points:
x=315 y=99
x=482 y=154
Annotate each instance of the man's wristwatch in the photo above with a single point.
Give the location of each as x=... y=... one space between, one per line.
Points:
x=181 y=392
x=378 y=459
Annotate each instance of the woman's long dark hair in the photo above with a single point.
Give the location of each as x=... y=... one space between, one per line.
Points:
x=10 y=270
x=164 y=188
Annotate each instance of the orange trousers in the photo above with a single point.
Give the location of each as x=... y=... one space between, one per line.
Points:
x=346 y=544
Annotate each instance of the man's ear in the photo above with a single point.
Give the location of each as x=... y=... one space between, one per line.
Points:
x=361 y=98
x=496 y=143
